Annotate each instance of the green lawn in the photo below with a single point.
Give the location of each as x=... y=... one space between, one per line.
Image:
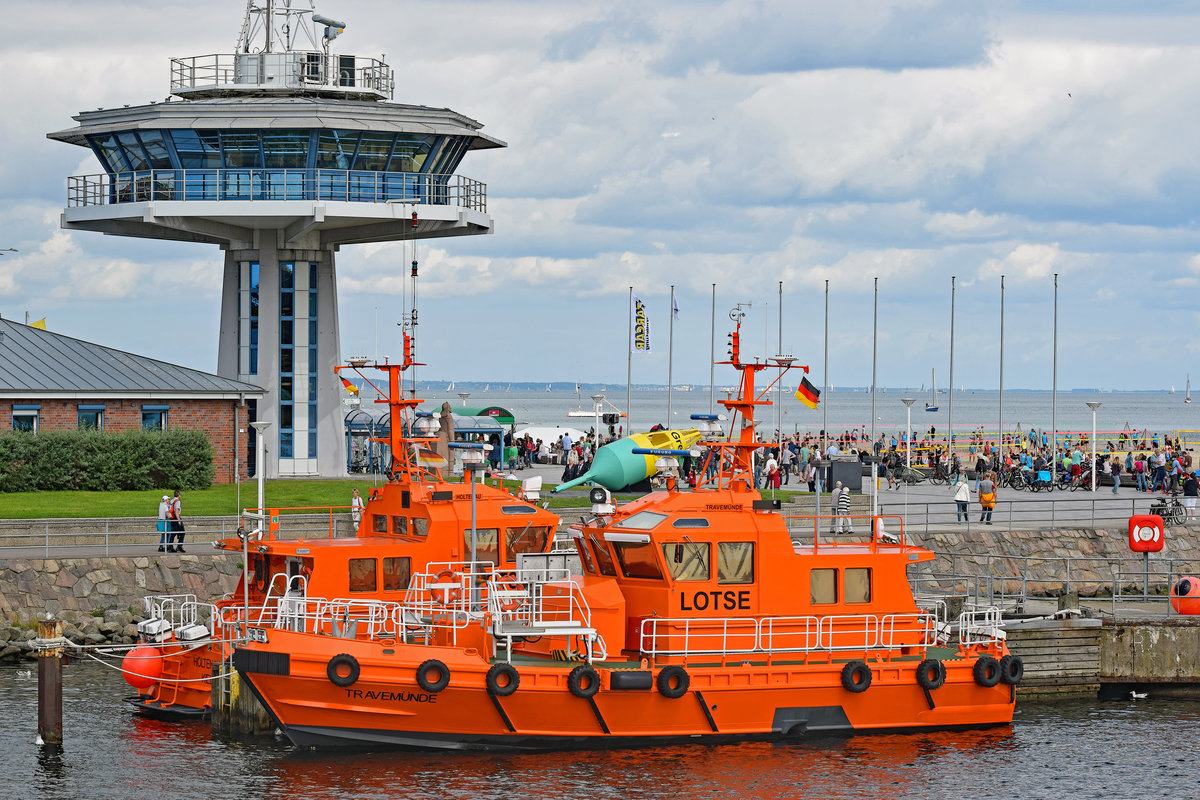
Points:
x=223 y=500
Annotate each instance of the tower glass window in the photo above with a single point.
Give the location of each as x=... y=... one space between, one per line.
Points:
x=25 y=418
x=91 y=418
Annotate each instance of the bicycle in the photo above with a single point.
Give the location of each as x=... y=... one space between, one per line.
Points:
x=939 y=475
x=1170 y=509
x=910 y=475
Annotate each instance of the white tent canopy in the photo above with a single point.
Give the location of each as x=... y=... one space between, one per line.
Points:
x=549 y=434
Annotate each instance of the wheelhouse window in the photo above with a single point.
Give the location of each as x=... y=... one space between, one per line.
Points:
x=857 y=585
x=604 y=561
x=396 y=573
x=690 y=522
x=823 y=586
x=637 y=560
x=400 y=526
x=419 y=527
x=91 y=418
x=642 y=521
x=379 y=523
x=585 y=555
x=687 y=561
x=362 y=574
x=487 y=544
x=527 y=539
x=735 y=562
x=25 y=418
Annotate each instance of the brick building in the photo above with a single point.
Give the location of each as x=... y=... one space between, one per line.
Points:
x=53 y=382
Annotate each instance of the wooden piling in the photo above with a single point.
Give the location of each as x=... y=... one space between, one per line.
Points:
x=50 y=728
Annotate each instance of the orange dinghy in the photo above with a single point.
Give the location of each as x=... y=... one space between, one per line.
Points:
x=688 y=616
x=415 y=520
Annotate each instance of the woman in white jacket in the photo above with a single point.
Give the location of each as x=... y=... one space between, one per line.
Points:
x=962 y=495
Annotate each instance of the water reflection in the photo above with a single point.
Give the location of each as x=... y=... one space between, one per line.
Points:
x=1051 y=750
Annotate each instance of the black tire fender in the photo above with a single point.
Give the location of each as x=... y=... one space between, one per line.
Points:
x=931 y=674
x=584 y=681
x=856 y=677
x=1012 y=669
x=443 y=675
x=503 y=679
x=986 y=671
x=673 y=681
x=333 y=670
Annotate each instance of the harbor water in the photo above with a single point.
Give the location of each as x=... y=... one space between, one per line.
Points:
x=1157 y=412
x=1078 y=748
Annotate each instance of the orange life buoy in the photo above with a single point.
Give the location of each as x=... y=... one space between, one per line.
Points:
x=510 y=600
x=447 y=596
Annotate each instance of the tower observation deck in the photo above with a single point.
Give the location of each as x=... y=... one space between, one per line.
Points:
x=280 y=153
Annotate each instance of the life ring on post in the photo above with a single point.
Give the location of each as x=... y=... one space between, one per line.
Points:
x=931 y=674
x=856 y=677
x=439 y=669
x=1012 y=669
x=450 y=595
x=986 y=671
x=673 y=682
x=503 y=679
x=342 y=670
x=584 y=681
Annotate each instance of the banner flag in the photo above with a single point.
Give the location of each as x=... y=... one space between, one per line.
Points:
x=350 y=387
x=808 y=394
x=641 y=326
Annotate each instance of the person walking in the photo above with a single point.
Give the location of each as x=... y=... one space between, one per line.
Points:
x=356 y=510
x=841 y=502
x=1115 y=470
x=1191 y=489
x=163 y=505
x=962 y=496
x=175 y=520
x=987 y=498
x=785 y=463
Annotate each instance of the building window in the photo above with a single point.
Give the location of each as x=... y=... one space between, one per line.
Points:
x=25 y=418
x=154 y=418
x=91 y=417
x=287 y=362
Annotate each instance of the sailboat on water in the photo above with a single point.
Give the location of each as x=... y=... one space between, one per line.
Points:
x=934 y=405
x=1187 y=398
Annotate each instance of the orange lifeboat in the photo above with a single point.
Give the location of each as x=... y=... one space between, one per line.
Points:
x=416 y=519
x=699 y=615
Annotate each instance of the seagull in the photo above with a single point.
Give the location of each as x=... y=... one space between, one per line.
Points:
x=24 y=673
x=1138 y=695
x=1068 y=94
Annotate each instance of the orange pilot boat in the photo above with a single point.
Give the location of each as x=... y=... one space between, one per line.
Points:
x=415 y=519
x=688 y=616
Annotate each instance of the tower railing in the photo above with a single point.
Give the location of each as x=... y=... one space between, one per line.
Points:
x=199 y=185
x=290 y=72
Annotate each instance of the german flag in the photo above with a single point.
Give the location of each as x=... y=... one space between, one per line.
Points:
x=350 y=387
x=808 y=394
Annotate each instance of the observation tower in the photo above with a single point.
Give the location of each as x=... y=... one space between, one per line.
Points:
x=280 y=153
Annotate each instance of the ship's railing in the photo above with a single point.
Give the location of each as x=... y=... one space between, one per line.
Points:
x=980 y=626
x=341 y=617
x=280 y=73
x=450 y=587
x=235 y=184
x=178 y=609
x=542 y=597
x=889 y=633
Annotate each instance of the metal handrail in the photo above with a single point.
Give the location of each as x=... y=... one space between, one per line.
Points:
x=293 y=70
x=270 y=183
x=1042 y=510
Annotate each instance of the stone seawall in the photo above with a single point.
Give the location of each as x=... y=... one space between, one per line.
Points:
x=100 y=599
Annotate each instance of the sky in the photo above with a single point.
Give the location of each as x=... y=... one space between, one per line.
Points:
x=737 y=143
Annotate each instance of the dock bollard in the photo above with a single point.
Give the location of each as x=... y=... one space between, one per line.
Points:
x=50 y=652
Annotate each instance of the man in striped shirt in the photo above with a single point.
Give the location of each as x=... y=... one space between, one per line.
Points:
x=841 y=502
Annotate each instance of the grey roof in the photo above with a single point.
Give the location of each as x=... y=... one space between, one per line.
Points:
x=41 y=363
x=233 y=113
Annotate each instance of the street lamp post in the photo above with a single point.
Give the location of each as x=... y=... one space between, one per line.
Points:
x=908 y=401
x=1093 y=405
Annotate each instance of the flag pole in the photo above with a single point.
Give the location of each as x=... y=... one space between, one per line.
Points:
x=779 y=387
x=874 y=350
x=825 y=390
x=670 y=356
x=1000 y=425
x=950 y=415
x=629 y=368
x=1054 y=394
x=712 y=355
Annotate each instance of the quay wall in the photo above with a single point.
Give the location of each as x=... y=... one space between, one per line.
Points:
x=100 y=599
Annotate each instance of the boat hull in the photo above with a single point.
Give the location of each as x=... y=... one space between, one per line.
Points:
x=385 y=707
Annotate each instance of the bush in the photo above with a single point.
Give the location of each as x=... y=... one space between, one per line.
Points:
x=98 y=461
